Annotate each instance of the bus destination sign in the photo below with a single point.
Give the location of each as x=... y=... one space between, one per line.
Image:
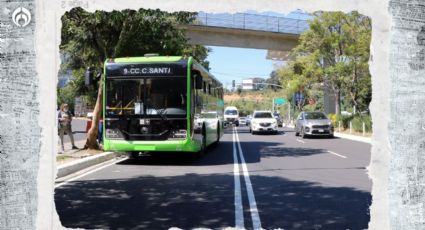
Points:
x=135 y=70
x=147 y=71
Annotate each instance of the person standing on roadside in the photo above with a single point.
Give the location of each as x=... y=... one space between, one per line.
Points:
x=65 y=118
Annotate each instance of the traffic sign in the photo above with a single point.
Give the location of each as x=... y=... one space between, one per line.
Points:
x=279 y=101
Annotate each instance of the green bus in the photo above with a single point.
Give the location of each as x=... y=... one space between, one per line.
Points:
x=160 y=104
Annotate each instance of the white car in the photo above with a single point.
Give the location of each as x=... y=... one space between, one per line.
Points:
x=263 y=121
x=242 y=121
x=231 y=115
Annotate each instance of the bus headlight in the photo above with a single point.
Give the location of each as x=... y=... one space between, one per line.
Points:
x=180 y=134
x=114 y=134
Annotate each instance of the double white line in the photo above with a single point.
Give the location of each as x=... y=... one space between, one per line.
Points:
x=239 y=219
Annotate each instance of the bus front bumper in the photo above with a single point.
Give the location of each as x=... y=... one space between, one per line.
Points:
x=151 y=146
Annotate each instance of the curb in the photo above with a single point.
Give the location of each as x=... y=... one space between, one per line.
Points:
x=353 y=137
x=347 y=136
x=75 y=166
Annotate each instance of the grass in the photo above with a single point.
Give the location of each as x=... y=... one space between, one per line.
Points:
x=62 y=158
x=248 y=101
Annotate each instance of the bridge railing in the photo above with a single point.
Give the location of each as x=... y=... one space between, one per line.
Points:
x=253 y=22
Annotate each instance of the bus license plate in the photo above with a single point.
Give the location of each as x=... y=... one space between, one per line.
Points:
x=321 y=130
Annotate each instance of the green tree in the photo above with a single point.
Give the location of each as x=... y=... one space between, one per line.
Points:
x=274 y=81
x=334 y=51
x=66 y=95
x=88 y=39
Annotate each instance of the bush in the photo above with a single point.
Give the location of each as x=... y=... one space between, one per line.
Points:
x=333 y=118
x=357 y=123
x=345 y=121
x=66 y=95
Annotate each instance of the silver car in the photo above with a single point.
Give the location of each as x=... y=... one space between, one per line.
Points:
x=312 y=124
x=242 y=121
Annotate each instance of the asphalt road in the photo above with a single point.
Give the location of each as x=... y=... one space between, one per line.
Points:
x=278 y=181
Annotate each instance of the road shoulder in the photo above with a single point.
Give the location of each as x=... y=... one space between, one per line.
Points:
x=347 y=136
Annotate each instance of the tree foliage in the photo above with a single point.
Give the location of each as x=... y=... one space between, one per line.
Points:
x=274 y=81
x=90 y=38
x=334 y=51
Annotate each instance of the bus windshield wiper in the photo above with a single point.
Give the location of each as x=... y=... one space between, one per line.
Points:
x=158 y=111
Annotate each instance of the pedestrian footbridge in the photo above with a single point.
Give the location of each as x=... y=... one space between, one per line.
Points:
x=246 y=31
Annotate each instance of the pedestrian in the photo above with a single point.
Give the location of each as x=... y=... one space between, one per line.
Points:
x=65 y=119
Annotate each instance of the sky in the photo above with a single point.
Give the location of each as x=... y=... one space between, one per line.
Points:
x=228 y=63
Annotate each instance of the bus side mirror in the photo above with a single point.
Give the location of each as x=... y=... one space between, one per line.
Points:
x=198 y=81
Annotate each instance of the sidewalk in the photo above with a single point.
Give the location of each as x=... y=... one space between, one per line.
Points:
x=353 y=137
x=69 y=153
x=74 y=154
x=72 y=161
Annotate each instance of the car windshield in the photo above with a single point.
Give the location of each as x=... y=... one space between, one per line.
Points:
x=231 y=112
x=263 y=115
x=315 y=116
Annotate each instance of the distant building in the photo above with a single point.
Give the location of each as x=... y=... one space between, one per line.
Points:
x=247 y=84
x=253 y=83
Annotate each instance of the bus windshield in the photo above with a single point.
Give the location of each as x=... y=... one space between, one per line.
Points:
x=147 y=95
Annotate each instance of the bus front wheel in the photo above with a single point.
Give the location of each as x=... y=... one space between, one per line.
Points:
x=217 y=140
x=203 y=144
x=133 y=155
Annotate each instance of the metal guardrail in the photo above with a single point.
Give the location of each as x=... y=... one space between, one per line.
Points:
x=253 y=22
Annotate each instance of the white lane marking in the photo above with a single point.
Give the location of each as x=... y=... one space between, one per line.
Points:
x=239 y=220
x=301 y=141
x=256 y=222
x=336 y=154
x=89 y=172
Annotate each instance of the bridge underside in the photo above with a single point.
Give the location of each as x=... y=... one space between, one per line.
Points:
x=231 y=37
